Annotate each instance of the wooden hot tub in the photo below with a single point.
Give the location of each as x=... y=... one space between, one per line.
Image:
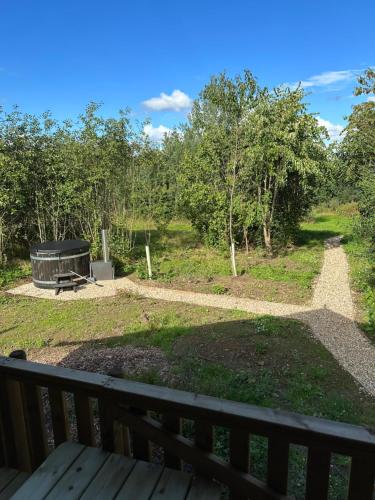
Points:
x=56 y=257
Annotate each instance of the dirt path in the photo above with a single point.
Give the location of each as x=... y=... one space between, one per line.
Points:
x=330 y=314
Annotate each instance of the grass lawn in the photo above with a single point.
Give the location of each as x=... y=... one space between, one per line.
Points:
x=230 y=354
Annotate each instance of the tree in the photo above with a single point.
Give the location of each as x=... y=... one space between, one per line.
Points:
x=285 y=156
x=254 y=164
x=211 y=170
x=358 y=152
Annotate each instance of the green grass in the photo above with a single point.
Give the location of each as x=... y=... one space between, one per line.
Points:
x=179 y=260
x=362 y=268
x=13 y=272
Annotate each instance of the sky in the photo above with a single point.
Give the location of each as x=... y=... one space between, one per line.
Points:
x=155 y=57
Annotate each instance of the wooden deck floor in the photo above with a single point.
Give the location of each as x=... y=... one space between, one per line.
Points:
x=75 y=471
x=10 y=481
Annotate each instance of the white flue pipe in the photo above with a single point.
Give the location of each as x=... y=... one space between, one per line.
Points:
x=105 y=246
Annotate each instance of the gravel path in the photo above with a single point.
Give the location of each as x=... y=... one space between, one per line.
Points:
x=332 y=318
x=330 y=315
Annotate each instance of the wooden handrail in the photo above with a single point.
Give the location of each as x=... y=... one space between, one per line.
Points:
x=300 y=429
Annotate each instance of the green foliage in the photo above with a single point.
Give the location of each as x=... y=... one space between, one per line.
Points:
x=254 y=165
x=71 y=179
x=11 y=273
x=218 y=289
x=357 y=153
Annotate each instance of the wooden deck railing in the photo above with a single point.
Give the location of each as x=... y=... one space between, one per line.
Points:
x=128 y=416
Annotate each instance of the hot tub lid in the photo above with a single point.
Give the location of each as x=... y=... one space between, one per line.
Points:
x=65 y=247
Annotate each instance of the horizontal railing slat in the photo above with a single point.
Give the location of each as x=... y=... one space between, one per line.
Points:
x=299 y=429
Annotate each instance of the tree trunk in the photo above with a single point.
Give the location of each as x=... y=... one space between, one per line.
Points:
x=267 y=237
x=246 y=238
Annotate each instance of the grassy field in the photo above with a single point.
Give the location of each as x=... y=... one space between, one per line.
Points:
x=180 y=261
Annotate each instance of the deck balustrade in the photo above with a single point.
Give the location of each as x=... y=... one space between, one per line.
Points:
x=43 y=406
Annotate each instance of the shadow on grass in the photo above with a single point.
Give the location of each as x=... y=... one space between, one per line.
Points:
x=172 y=239
x=265 y=361
x=310 y=238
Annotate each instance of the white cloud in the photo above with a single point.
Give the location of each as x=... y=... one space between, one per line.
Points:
x=334 y=130
x=371 y=98
x=156 y=133
x=330 y=77
x=327 y=79
x=177 y=101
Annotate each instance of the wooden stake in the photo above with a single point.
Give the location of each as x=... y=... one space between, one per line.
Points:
x=148 y=258
x=233 y=259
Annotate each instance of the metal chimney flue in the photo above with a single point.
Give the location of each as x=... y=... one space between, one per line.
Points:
x=103 y=269
x=105 y=245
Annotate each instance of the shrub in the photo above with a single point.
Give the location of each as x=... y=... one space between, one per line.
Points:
x=218 y=289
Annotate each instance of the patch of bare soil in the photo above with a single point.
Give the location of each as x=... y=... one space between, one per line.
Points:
x=242 y=286
x=131 y=360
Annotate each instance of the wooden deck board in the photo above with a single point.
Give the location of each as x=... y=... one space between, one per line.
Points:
x=173 y=485
x=80 y=474
x=76 y=471
x=6 y=476
x=204 y=490
x=14 y=485
x=47 y=475
x=141 y=482
x=110 y=478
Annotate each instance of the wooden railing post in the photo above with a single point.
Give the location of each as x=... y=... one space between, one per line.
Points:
x=239 y=452
x=140 y=446
x=317 y=476
x=59 y=416
x=172 y=423
x=7 y=428
x=106 y=416
x=362 y=477
x=35 y=423
x=85 y=426
x=28 y=419
x=278 y=462
x=204 y=440
x=14 y=402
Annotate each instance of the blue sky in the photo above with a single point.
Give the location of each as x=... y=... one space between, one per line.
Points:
x=58 y=55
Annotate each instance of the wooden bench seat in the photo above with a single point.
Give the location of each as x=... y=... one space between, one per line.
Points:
x=75 y=471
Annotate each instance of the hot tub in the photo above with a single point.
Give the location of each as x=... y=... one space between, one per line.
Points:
x=56 y=257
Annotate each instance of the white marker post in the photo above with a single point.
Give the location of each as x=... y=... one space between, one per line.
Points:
x=233 y=259
x=148 y=258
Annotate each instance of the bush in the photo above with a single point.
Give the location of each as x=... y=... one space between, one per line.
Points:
x=218 y=289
